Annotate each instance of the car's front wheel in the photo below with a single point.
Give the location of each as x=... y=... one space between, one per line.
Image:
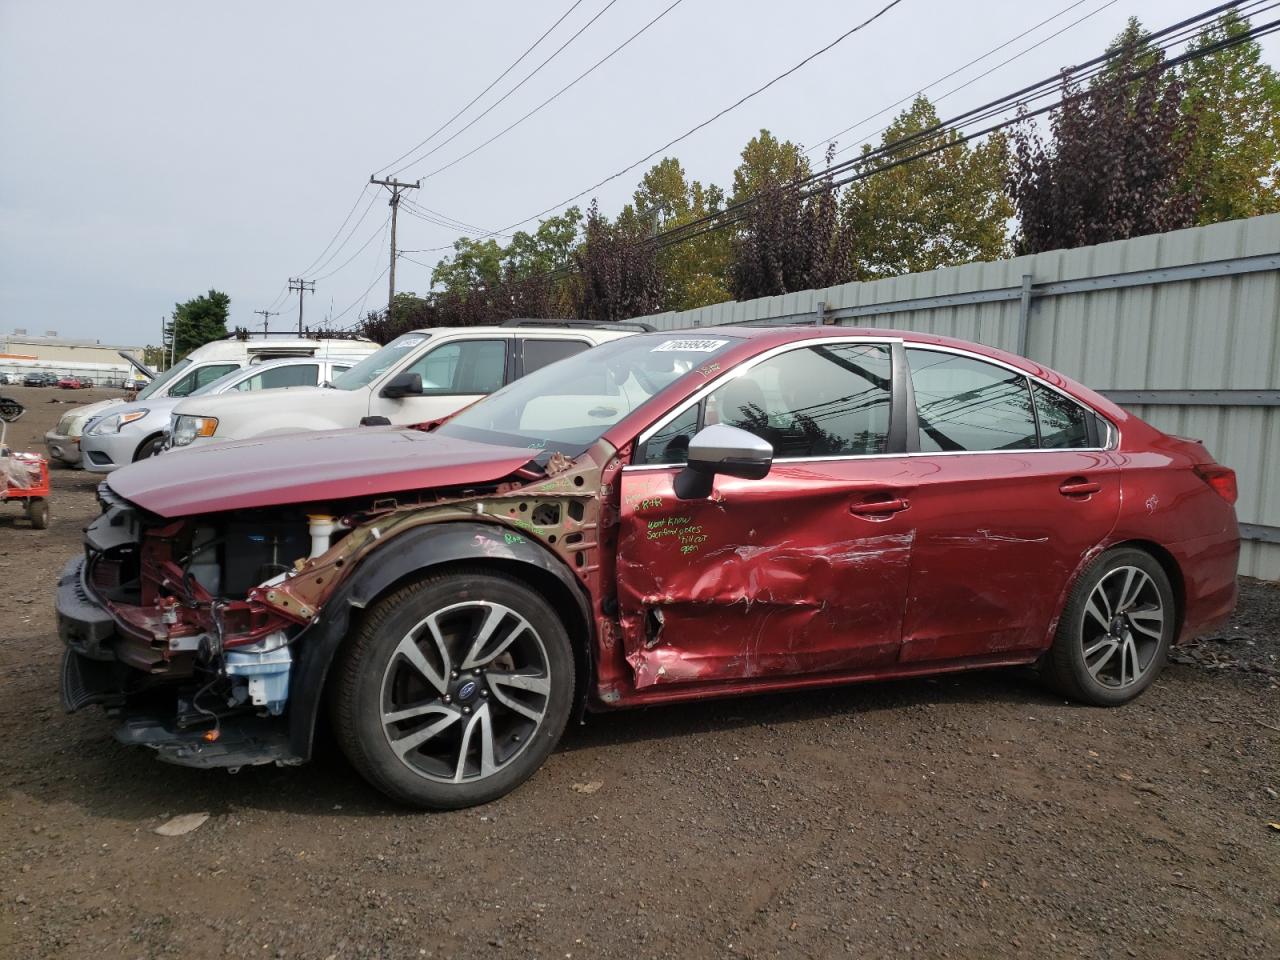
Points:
x=454 y=690
x=1114 y=635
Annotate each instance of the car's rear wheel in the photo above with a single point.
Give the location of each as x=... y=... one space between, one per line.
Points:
x=1114 y=635
x=455 y=689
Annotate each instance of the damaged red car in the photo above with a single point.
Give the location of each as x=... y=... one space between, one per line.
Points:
x=664 y=517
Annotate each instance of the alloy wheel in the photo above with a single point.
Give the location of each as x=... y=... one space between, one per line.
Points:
x=465 y=692
x=1122 y=628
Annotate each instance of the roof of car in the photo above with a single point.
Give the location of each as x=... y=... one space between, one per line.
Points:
x=599 y=332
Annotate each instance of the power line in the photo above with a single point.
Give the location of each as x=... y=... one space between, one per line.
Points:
x=823 y=141
x=719 y=222
x=337 y=233
x=381 y=228
x=714 y=117
x=489 y=109
x=976 y=112
x=514 y=63
x=507 y=129
x=1029 y=93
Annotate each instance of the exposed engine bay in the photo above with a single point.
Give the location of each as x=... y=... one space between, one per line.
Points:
x=190 y=630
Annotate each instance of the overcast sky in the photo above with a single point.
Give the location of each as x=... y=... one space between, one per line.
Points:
x=152 y=149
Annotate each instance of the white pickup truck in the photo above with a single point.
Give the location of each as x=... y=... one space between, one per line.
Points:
x=418 y=377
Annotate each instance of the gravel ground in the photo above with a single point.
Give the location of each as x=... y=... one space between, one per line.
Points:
x=970 y=816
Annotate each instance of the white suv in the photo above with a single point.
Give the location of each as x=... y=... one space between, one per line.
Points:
x=418 y=377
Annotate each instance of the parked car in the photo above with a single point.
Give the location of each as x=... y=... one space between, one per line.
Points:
x=35 y=380
x=133 y=431
x=69 y=383
x=421 y=376
x=7 y=379
x=669 y=516
x=200 y=367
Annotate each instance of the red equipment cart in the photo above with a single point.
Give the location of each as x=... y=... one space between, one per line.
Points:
x=24 y=477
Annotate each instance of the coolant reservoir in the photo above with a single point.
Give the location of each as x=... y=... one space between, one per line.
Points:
x=320 y=526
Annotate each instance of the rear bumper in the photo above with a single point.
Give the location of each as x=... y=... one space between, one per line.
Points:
x=1208 y=566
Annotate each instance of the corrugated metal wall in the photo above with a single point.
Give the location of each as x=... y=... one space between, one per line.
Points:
x=1195 y=309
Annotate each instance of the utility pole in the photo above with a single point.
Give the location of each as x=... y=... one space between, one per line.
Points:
x=266 y=317
x=302 y=286
x=396 y=188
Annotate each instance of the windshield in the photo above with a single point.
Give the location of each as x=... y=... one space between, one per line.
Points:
x=568 y=405
x=372 y=367
x=163 y=378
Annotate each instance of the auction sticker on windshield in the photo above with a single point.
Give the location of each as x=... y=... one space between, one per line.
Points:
x=689 y=346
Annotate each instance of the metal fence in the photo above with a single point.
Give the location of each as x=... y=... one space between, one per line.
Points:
x=1181 y=328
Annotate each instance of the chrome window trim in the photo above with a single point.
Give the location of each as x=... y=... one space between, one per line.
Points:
x=1113 y=432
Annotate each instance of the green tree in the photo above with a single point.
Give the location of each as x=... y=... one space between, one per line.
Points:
x=548 y=249
x=199 y=321
x=944 y=209
x=1233 y=101
x=475 y=265
x=695 y=271
x=767 y=161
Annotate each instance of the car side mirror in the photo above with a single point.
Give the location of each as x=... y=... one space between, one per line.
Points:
x=721 y=448
x=403 y=385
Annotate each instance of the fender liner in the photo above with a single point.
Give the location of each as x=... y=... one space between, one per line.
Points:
x=418 y=549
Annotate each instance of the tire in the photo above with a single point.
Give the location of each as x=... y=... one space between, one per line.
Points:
x=422 y=671
x=1115 y=631
x=38 y=512
x=149 y=447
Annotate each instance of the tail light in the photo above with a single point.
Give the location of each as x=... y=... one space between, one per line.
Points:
x=1222 y=479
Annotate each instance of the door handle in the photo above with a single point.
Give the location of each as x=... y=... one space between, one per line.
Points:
x=875 y=507
x=1078 y=487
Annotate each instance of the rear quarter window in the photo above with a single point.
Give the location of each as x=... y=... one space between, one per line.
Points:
x=541 y=353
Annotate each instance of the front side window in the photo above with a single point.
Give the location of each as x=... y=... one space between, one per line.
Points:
x=821 y=401
x=968 y=404
x=292 y=375
x=463 y=367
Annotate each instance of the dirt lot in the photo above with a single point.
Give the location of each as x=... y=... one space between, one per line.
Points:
x=972 y=816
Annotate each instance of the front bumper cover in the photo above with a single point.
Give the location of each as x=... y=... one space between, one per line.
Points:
x=62 y=448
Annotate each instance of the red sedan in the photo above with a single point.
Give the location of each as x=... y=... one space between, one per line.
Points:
x=667 y=516
x=70 y=383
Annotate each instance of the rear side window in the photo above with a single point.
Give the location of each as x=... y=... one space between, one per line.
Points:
x=463 y=367
x=967 y=404
x=540 y=353
x=294 y=375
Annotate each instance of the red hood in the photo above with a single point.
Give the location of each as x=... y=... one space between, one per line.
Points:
x=309 y=467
